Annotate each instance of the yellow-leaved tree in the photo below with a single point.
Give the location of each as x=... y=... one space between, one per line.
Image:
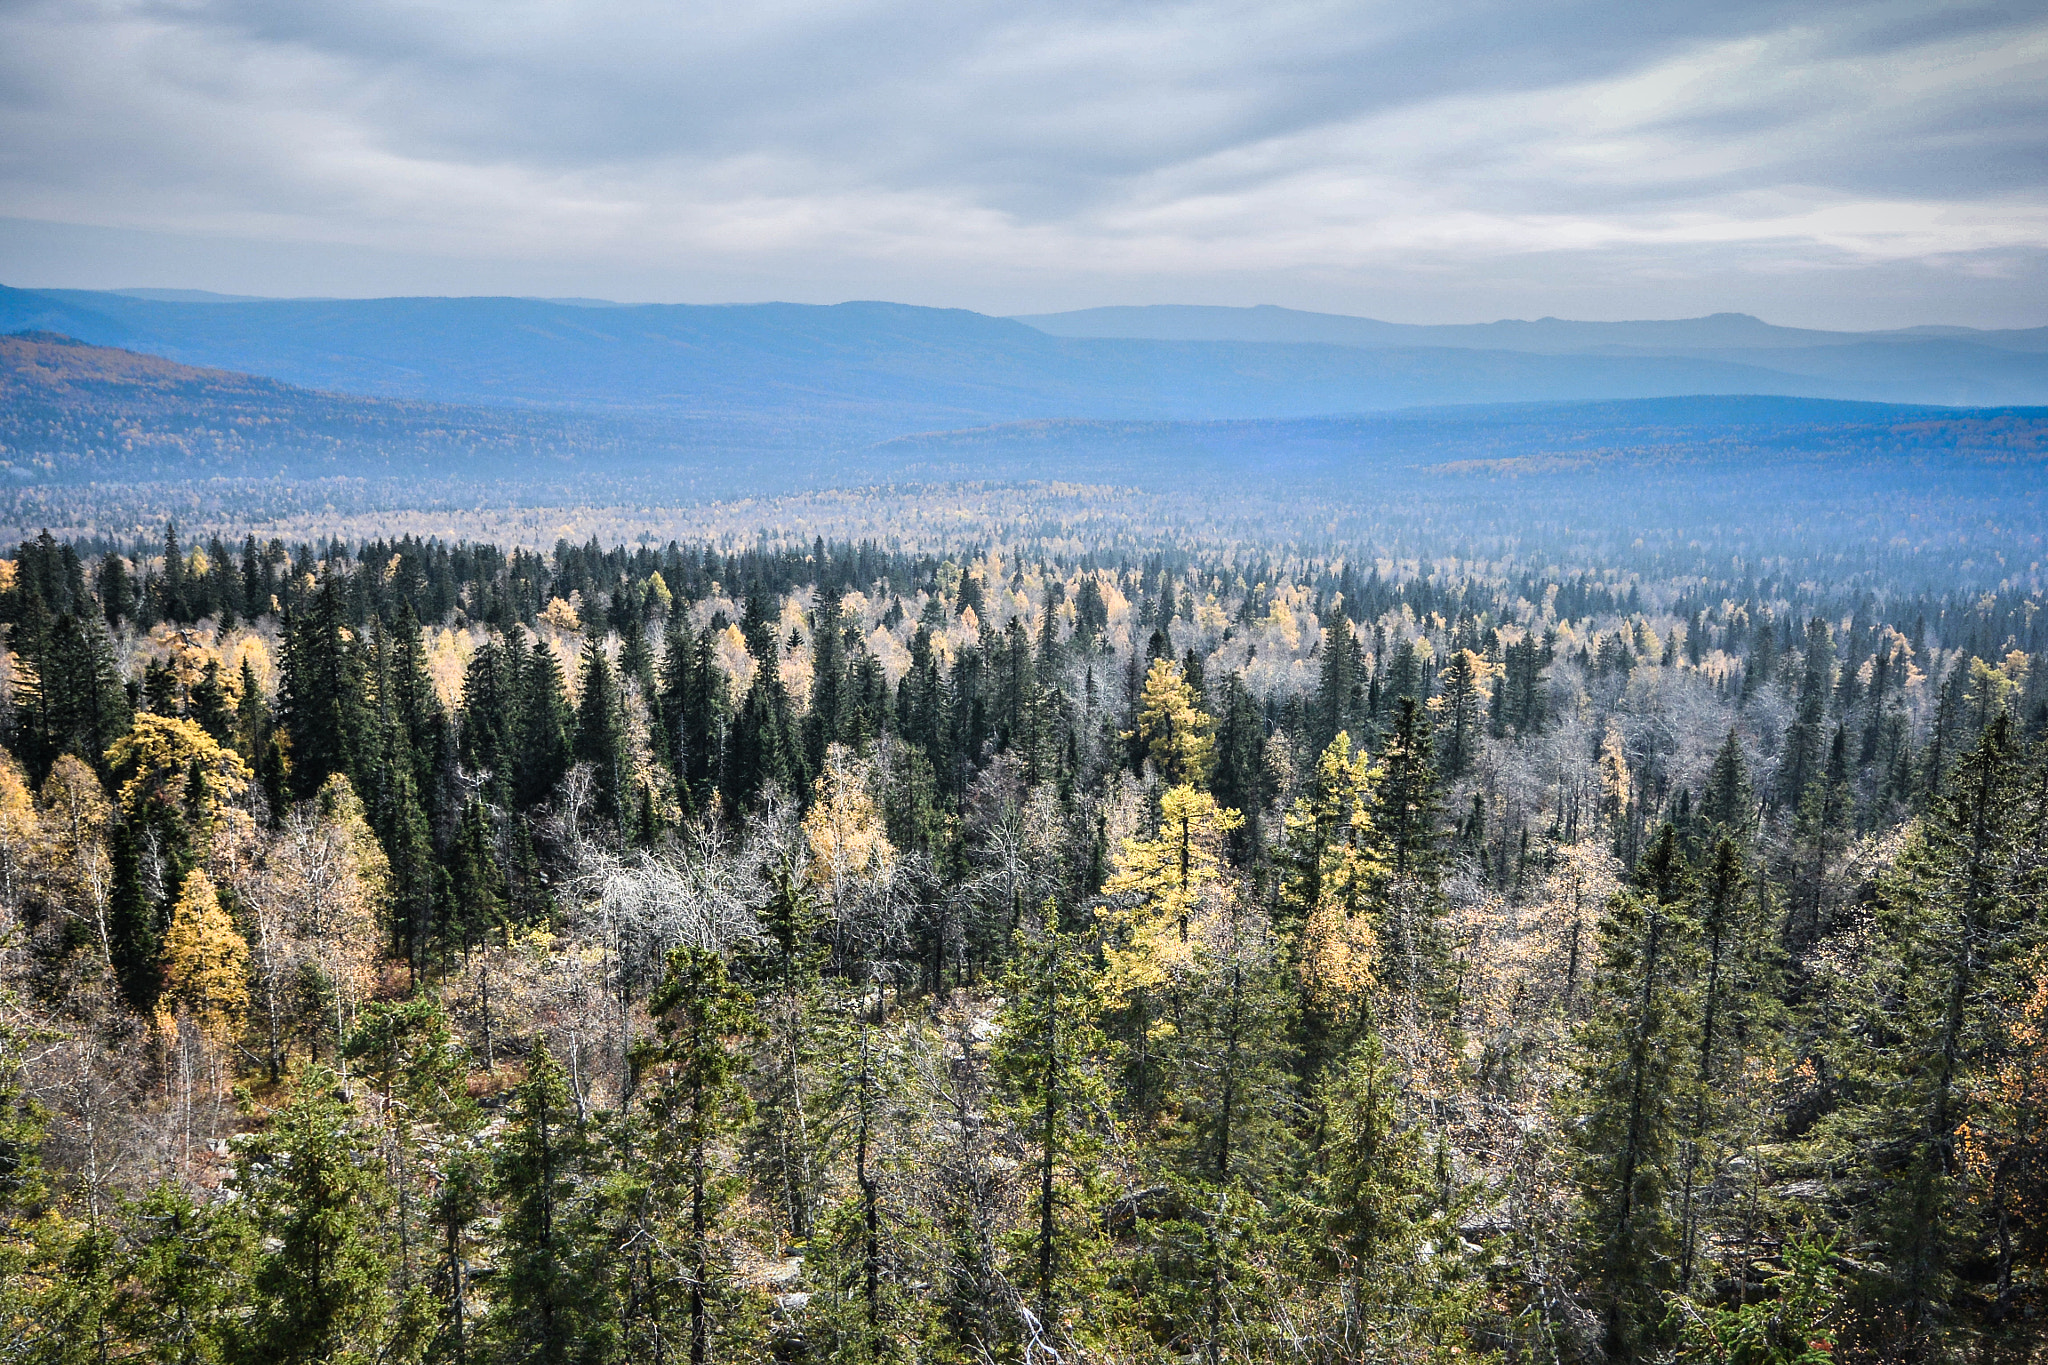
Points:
x=844 y=829
x=20 y=836
x=1178 y=735
x=1330 y=881
x=76 y=817
x=324 y=888
x=167 y=762
x=1163 y=902
x=206 y=963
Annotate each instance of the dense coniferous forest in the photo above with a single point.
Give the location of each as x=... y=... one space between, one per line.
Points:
x=424 y=951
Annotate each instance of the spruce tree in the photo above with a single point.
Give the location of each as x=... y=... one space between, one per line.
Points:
x=1955 y=921
x=546 y=1302
x=1048 y=1056
x=698 y=1098
x=320 y=1287
x=1628 y=1104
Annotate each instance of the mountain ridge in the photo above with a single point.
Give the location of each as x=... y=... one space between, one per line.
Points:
x=867 y=370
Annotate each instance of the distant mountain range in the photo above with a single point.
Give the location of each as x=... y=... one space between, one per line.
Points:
x=1717 y=333
x=73 y=412
x=840 y=377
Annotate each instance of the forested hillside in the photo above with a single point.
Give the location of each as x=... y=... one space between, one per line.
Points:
x=70 y=412
x=106 y=441
x=874 y=369
x=415 y=951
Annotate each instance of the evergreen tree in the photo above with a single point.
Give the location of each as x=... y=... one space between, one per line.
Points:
x=1048 y=1056
x=695 y=703
x=320 y=1286
x=1173 y=730
x=321 y=693
x=540 y=739
x=547 y=1306
x=1728 y=802
x=786 y=968
x=1464 y=703
x=1407 y=814
x=183 y=1269
x=698 y=1098
x=763 y=745
x=1333 y=893
x=1628 y=1104
x=601 y=729
x=1956 y=923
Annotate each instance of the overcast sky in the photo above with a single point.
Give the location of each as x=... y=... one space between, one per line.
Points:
x=1828 y=164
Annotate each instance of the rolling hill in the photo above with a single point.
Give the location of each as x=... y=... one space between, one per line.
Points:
x=74 y=412
x=847 y=374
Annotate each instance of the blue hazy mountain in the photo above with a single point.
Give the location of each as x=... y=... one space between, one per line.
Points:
x=858 y=372
x=1717 y=333
x=71 y=412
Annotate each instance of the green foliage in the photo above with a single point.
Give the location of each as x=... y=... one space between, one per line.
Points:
x=1791 y=1323
x=319 y=1284
x=548 y=1305
x=1049 y=1056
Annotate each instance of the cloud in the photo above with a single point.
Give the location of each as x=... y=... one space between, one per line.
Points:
x=1845 y=162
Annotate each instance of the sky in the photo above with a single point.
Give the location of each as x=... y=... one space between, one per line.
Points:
x=1845 y=164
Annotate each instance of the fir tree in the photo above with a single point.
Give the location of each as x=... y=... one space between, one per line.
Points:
x=547 y=1306
x=698 y=1098
x=320 y=1287
x=1048 y=1056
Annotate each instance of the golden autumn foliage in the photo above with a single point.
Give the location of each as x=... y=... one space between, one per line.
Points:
x=156 y=761
x=844 y=828
x=76 y=818
x=1178 y=735
x=206 y=962
x=18 y=829
x=2005 y=1150
x=1332 y=879
x=562 y=616
x=1163 y=891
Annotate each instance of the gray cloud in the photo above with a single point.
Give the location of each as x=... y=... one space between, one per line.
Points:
x=1852 y=164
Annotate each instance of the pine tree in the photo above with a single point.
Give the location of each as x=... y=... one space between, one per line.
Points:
x=320 y=1287
x=699 y=1096
x=1048 y=1056
x=545 y=1302
x=1628 y=1104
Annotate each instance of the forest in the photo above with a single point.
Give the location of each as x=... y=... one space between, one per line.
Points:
x=796 y=949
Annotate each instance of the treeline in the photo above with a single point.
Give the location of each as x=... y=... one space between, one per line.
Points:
x=432 y=952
